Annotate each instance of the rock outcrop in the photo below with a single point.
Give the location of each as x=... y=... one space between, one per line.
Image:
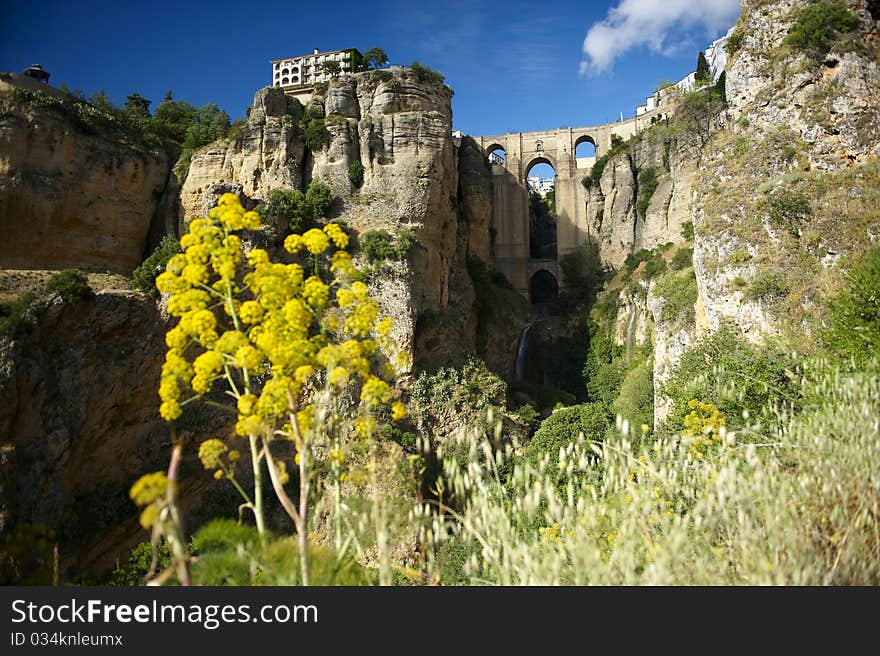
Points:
x=71 y=196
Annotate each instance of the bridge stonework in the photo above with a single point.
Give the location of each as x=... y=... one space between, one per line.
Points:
x=510 y=213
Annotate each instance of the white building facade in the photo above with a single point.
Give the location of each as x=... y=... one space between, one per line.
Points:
x=308 y=70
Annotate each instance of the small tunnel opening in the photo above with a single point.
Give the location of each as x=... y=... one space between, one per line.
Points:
x=543 y=287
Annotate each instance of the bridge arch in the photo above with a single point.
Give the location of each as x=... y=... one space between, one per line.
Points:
x=585 y=146
x=540 y=159
x=543 y=287
x=496 y=154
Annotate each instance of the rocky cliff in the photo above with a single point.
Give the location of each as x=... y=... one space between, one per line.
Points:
x=399 y=128
x=74 y=192
x=781 y=187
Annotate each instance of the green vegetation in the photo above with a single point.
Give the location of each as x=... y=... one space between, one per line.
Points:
x=820 y=27
x=854 y=320
x=738 y=377
x=768 y=286
x=788 y=209
x=143 y=278
x=375 y=58
x=687 y=230
x=331 y=68
x=734 y=43
x=71 y=285
x=595 y=176
x=703 y=74
x=655 y=513
x=13 y=313
x=635 y=401
x=683 y=258
x=560 y=430
x=425 y=74
x=379 y=245
x=315 y=133
x=679 y=291
x=356 y=174
x=297 y=210
x=647 y=186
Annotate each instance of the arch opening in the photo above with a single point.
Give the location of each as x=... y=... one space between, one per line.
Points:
x=543 y=287
x=585 y=147
x=541 y=183
x=496 y=155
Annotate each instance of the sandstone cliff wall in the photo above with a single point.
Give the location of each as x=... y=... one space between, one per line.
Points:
x=68 y=197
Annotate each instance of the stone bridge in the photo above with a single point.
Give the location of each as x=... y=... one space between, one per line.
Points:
x=510 y=207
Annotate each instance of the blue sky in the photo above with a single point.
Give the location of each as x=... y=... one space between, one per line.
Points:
x=514 y=66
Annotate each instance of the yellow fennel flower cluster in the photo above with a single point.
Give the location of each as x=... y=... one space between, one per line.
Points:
x=268 y=331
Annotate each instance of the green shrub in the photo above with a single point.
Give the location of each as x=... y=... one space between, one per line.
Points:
x=529 y=415
x=425 y=74
x=379 y=245
x=636 y=400
x=654 y=267
x=356 y=174
x=236 y=130
x=461 y=394
x=854 y=318
x=633 y=260
x=788 y=209
x=321 y=88
x=734 y=43
x=687 y=230
x=13 y=312
x=683 y=258
x=679 y=292
x=768 y=286
x=316 y=135
x=647 y=186
x=144 y=277
x=819 y=26
x=300 y=211
x=209 y=124
x=562 y=429
x=71 y=285
x=132 y=572
x=735 y=375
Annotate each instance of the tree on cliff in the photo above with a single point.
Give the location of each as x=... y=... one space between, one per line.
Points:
x=209 y=124
x=704 y=74
x=376 y=58
x=331 y=68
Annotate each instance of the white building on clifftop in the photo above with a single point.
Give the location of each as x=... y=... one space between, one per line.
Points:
x=307 y=70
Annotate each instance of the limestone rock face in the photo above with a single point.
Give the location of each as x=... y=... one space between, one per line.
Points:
x=79 y=416
x=400 y=129
x=70 y=197
x=622 y=231
x=268 y=154
x=833 y=106
x=826 y=112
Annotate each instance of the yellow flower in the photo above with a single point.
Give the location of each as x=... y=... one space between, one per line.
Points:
x=338 y=376
x=251 y=425
x=336 y=234
x=170 y=410
x=375 y=391
x=302 y=373
x=246 y=403
x=148 y=488
x=316 y=242
x=250 y=312
x=249 y=358
x=398 y=411
x=293 y=243
x=211 y=453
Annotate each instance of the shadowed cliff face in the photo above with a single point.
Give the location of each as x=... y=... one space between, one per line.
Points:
x=69 y=198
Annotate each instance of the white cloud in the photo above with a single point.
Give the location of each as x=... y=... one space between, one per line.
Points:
x=658 y=24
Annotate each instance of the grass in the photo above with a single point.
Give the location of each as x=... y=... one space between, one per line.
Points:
x=756 y=509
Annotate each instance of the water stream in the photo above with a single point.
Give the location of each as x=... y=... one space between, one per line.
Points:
x=521 y=353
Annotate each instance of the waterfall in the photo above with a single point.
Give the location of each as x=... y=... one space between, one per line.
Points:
x=521 y=353
x=629 y=331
